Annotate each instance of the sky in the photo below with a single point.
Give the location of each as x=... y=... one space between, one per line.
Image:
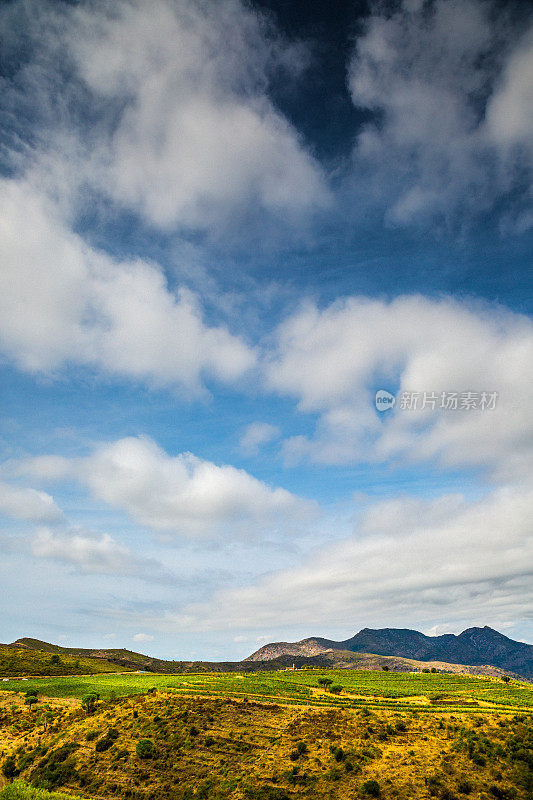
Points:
x=265 y=321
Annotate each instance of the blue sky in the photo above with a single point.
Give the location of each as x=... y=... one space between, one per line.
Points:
x=224 y=227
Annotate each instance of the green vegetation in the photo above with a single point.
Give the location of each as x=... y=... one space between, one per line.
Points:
x=428 y=692
x=162 y=744
x=15 y=662
x=19 y=790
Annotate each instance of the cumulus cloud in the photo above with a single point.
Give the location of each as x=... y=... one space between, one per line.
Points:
x=90 y=553
x=28 y=504
x=182 y=129
x=142 y=637
x=333 y=360
x=182 y=493
x=83 y=307
x=449 y=83
x=410 y=560
x=257 y=434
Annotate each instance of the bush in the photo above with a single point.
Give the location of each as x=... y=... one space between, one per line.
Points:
x=464 y=786
x=9 y=767
x=301 y=747
x=55 y=659
x=209 y=741
x=339 y=754
x=294 y=755
x=193 y=731
x=433 y=669
x=335 y=688
x=144 y=748
x=506 y=678
x=371 y=788
x=89 y=702
x=385 y=667
x=31 y=700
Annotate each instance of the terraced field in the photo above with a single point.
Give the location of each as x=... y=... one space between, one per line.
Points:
x=415 y=691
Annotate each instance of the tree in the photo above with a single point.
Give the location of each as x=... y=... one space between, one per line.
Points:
x=325 y=682
x=30 y=701
x=385 y=667
x=55 y=659
x=145 y=748
x=89 y=702
x=336 y=688
x=371 y=788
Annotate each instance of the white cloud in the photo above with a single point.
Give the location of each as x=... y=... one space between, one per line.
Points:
x=450 y=83
x=28 y=504
x=333 y=360
x=92 y=553
x=182 y=493
x=421 y=561
x=83 y=307
x=510 y=110
x=183 y=130
x=257 y=434
x=142 y=637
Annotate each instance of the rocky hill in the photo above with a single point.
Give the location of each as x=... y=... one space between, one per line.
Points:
x=474 y=646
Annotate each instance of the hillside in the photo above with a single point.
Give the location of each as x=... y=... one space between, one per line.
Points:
x=157 y=745
x=34 y=658
x=15 y=661
x=474 y=646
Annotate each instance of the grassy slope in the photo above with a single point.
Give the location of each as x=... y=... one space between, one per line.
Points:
x=20 y=790
x=14 y=661
x=222 y=748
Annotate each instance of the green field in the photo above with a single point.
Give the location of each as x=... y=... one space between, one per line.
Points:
x=420 y=691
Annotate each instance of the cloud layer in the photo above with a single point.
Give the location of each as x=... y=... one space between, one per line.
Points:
x=181 y=494
x=183 y=131
x=83 y=307
x=409 y=562
x=333 y=360
x=450 y=84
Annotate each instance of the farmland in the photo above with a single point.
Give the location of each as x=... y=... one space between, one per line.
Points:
x=177 y=743
x=419 y=691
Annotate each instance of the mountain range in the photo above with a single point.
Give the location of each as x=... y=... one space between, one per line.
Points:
x=474 y=646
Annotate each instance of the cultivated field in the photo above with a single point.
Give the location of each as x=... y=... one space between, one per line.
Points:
x=417 y=691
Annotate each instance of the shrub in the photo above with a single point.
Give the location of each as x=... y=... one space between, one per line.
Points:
x=294 y=755
x=464 y=786
x=335 y=688
x=371 y=788
x=301 y=747
x=31 y=700
x=339 y=754
x=91 y=735
x=209 y=741
x=385 y=667
x=55 y=659
x=506 y=678
x=89 y=702
x=144 y=748
x=103 y=744
x=9 y=767
x=433 y=669
x=193 y=730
